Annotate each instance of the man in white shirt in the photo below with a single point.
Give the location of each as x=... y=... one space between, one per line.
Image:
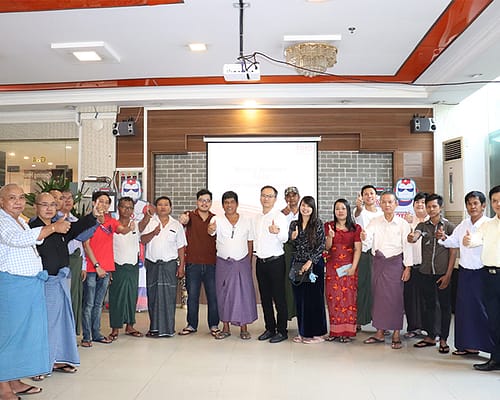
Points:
x=366 y=209
x=165 y=243
x=488 y=234
x=471 y=320
x=392 y=261
x=271 y=231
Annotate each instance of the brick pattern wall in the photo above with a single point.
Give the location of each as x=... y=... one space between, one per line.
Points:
x=340 y=174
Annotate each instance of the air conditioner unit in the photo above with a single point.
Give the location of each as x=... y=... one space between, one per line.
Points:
x=453 y=169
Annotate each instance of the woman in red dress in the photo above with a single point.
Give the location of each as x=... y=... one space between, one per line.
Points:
x=343 y=245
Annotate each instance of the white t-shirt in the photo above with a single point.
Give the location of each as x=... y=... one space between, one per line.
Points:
x=232 y=240
x=126 y=247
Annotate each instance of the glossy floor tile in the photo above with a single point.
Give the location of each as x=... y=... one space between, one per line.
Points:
x=197 y=366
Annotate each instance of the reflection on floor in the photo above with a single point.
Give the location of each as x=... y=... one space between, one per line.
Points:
x=197 y=366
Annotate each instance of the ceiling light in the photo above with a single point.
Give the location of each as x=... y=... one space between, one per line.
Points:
x=26 y=158
x=100 y=51
x=68 y=147
x=50 y=163
x=311 y=58
x=12 y=154
x=87 y=56
x=33 y=165
x=197 y=46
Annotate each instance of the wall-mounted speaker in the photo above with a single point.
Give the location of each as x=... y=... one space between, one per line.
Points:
x=422 y=125
x=124 y=128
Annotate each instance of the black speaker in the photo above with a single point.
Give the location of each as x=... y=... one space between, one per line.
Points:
x=422 y=125
x=125 y=128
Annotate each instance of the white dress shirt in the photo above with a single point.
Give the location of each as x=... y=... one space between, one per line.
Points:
x=363 y=220
x=390 y=238
x=165 y=245
x=488 y=234
x=470 y=257
x=267 y=244
x=126 y=247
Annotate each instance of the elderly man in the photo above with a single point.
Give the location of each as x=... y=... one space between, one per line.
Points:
x=24 y=345
x=392 y=261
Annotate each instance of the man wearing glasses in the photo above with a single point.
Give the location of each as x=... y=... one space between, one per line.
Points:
x=271 y=232
x=200 y=263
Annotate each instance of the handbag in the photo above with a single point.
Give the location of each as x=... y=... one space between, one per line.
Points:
x=297 y=277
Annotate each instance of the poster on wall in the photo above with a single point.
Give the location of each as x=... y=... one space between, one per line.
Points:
x=405 y=191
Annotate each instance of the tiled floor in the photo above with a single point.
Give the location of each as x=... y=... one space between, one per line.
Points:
x=197 y=366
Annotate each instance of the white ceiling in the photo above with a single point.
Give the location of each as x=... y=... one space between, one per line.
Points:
x=151 y=42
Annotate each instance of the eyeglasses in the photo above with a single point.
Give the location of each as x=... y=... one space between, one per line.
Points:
x=267 y=196
x=126 y=207
x=47 y=205
x=204 y=200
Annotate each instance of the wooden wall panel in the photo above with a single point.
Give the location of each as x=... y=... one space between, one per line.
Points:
x=364 y=129
x=129 y=149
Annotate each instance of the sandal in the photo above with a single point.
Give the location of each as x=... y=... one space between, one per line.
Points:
x=29 y=390
x=113 y=336
x=423 y=343
x=222 y=335
x=313 y=340
x=67 y=369
x=444 y=349
x=396 y=345
x=86 y=343
x=410 y=335
x=297 y=339
x=245 y=335
x=104 y=340
x=214 y=331
x=331 y=338
x=345 y=339
x=152 y=334
x=373 y=340
x=187 y=330
x=465 y=353
x=38 y=378
x=134 y=333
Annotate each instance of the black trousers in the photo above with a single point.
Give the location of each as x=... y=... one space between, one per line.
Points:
x=435 y=300
x=413 y=300
x=492 y=302
x=271 y=280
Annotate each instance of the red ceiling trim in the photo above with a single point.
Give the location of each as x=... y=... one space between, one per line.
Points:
x=49 y=5
x=454 y=20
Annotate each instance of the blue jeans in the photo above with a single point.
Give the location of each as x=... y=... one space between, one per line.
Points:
x=94 y=290
x=195 y=275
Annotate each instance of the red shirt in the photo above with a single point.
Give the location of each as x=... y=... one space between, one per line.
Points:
x=102 y=245
x=201 y=246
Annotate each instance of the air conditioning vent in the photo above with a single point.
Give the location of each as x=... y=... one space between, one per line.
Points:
x=452 y=150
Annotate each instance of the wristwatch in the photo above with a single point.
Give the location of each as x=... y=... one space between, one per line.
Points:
x=97 y=265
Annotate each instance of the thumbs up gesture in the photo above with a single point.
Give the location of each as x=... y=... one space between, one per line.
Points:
x=440 y=233
x=363 y=235
x=331 y=231
x=184 y=218
x=212 y=226
x=411 y=236
x=466 y=241
x=408 y=217
x=359 y=202
x=274 y=229
x=295 y=232
x=62 y=225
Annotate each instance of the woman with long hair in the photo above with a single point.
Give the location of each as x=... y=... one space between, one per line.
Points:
x=308 y=239
x=343 y=244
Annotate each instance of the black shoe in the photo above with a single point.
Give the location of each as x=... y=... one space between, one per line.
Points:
x=487 y=366
x=279 y=337
x=266 y=335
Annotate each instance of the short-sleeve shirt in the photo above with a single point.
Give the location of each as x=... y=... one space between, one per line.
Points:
x=165 y=245
x=101 y=244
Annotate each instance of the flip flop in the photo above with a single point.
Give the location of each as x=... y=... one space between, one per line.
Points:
x=67 y=369
x=331 y=338
x=396 y=345
x=113 y=336
x=29 y=390
x=423 y=343
x=345 y=339
x=222 y=335
x=465 y=353
x=38 y=378
x=245 y=335
x=297 y=339
x=104 y=340
x=134 y=334
x=86 y=343
x=444 y=349
x=187 y=331
x=214 y=331
x=373 y=340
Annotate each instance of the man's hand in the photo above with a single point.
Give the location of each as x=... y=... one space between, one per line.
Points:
x=467 y=239
x=184 y=218
x=212 y=227
x=274 y=229
x=62 y=225
x=444 y=281
x=295 y=232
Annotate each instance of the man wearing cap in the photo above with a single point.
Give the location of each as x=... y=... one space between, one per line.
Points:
x=291 y=212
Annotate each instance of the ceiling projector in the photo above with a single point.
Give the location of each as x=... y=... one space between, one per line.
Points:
x=241 y=72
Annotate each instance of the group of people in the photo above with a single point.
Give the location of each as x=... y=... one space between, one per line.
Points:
x=370 y=265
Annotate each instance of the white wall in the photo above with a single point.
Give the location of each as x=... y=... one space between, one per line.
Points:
x=473 y=119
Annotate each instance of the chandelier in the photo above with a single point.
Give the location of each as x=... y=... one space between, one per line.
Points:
x=311 y=59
